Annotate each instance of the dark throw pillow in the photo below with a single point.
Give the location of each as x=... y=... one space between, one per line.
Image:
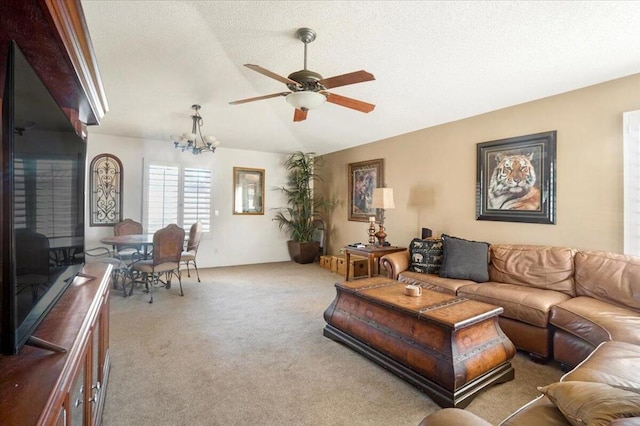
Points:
x=425 y=255
x=464 y=259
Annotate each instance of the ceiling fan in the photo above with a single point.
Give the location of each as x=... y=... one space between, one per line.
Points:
x=308 y=89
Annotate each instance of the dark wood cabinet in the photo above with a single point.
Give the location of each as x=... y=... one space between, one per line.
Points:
x=38 y=386
x=54 y=38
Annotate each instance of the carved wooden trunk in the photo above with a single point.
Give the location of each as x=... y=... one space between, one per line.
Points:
x=450 y=347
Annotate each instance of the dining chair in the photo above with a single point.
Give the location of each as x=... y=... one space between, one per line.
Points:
x=189 y=255
x=119 y=270
x=165 y=260
x=127 y=227
x=32 y=261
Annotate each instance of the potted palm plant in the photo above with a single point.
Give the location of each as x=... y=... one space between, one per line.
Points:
x=302 y=208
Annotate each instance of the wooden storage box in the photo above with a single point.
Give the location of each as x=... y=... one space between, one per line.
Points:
x=334 y=264
x=325 y=262
x=358 y=267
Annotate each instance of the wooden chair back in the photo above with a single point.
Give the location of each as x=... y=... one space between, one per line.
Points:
x=127 y=227
x=167 y=244
x=194 y=237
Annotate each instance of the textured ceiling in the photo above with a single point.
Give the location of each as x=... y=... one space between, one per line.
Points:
x=434 y=62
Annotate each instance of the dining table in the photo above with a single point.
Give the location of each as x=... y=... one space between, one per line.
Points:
x=133 y=240
x=63 y=250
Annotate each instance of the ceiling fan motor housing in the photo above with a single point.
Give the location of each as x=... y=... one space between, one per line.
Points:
x=308 y=89
x=309 y=80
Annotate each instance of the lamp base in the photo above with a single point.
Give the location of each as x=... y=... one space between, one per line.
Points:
x=381 y=236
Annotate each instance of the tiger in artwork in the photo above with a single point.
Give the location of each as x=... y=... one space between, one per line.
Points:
x=512 y=184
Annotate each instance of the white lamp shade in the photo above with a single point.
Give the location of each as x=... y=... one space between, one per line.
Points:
x=189 y=136
x=212 y=140
x=306 y=100
x=383 y=198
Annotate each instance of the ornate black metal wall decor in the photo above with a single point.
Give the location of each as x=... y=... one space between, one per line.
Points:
x=106 y=190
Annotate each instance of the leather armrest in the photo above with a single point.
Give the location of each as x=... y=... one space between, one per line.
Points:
x=395 y=263
x=453 y=416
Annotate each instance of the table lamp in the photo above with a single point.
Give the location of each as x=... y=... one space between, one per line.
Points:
x=382 y=199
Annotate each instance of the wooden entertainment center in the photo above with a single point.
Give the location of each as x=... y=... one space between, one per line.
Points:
x=39 y=386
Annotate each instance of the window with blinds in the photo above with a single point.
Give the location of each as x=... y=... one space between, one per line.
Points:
x=45 y=196
x=631 y=136
x=197 y=197
x=176 y=194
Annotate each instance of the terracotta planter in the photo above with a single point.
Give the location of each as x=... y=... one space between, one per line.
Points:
x=303 y=252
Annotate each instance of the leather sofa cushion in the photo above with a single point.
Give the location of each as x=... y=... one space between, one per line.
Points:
x=596 y=321
x=545 y=267
x=613 y=363
x=526 y=304
x=453 y=416
x=609 y=277
x=590 y=403
x=538 y=412
x=433 y=282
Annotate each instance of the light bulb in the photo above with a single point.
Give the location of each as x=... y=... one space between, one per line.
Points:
x=306 y=100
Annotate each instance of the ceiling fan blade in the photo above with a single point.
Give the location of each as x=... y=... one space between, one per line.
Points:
x=272 y=74
x=299 y=115
x=350 y=103
x=346 y=79
x=273 y=95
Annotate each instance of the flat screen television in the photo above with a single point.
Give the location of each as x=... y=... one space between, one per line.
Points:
x=42 y=203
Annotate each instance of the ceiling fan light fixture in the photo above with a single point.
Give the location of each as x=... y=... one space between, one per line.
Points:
x=306 y=100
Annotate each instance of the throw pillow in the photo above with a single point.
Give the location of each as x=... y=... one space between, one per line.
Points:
x=425 y=255
x=464 y=259
x=592 y=403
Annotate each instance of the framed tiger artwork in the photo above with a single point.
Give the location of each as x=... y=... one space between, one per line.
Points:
x=516 y=179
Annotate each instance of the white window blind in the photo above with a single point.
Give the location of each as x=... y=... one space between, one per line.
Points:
x=197 y=197
x=163 y=196
x=44 y=196
x=177 y=194
x=631 y=141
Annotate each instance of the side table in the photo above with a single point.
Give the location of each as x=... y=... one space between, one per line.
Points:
x=372 y=252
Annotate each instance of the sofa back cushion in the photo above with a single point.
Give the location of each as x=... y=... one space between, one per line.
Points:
x=609 y=277
x=544 y=267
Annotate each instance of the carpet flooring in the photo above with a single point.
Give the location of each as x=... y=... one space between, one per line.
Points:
x=245 y=346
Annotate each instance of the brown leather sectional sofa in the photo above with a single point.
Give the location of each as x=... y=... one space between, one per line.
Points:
x=558 y=303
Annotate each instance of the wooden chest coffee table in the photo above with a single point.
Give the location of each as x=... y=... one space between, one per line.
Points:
x=450 y=347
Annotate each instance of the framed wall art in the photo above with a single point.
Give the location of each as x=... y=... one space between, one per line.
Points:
x=248 y=191
x=516 y=179
x=363 y=178
x=106 y=190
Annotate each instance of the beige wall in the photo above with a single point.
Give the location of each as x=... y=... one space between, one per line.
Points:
x=433 y=173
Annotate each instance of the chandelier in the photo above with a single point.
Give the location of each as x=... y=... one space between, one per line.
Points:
x=195 y=142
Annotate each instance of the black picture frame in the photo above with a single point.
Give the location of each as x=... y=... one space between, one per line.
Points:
x=503 y=166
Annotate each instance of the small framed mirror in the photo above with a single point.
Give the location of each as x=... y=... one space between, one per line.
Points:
x=248 y=190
